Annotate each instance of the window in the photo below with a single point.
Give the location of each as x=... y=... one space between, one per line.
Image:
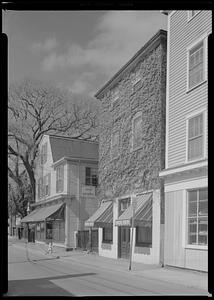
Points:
x=137 y=131
x=196 y=65
x=136 y=81
x=114 y=97
x=47 y=184
x=115 y=144
x=144 y=236
x=123 y=205
x=107 y=234
x=195 y=137
x=40 y=194
x=44 y=153
x=91 y=177
x=198 y=217
x=59 y=178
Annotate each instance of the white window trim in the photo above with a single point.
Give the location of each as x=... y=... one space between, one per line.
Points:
x=194 y=114
x=136 y=116
x=192 y=17
x=204 y=39
x=116 y=156
x=189 y=246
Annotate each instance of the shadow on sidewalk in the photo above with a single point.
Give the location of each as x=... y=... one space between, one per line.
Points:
x=40 y=286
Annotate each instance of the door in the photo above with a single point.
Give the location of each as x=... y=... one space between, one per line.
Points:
x=124 y=242
x=94 y=240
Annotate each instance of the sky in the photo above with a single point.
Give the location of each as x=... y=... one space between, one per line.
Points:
x=75 y=50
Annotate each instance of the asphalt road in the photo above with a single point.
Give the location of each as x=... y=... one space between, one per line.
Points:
x=35 y=274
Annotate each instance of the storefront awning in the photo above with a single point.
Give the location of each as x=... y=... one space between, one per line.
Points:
x=103 y=217
x=41 y=214
x=143 y=212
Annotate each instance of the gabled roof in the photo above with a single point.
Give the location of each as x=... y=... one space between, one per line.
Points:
x=159 y=37
x=72 y=148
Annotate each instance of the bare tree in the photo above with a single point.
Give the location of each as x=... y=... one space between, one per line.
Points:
x=36 y=108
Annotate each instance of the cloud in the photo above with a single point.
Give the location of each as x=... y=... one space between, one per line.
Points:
x=119 y=35
x=47 y=45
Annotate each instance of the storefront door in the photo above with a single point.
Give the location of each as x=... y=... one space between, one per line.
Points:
x=124 y=242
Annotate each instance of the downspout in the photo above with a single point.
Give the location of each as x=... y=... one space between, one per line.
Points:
x=78 y=195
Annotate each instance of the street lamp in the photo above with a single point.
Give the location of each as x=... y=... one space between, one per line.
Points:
x=133 y=204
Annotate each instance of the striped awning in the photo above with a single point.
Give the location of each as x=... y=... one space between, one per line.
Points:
x=41 y=214
x=103 y=216
x=143 y=212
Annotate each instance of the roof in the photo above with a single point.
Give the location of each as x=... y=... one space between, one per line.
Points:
x=72 y=148
x=151 y=44
x=143 y=212
x=102 y=217
x=41 y=214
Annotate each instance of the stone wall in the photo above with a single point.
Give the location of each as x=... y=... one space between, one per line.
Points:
x=139 y=168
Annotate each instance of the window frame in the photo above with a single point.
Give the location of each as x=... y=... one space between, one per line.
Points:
x=136 y=116
x=118 y=145
x=115 y=95
x=44 y=153
x=142 y=244
x=190 y=17
x=104 y=240
x=47 y=183
x=91 y=176
x=135 y=80
x=202 y=39
x=58 y=179
x=188 y=117
x=187 y=245
x=123 y=200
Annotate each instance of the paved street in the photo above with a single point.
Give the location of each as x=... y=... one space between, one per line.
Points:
x=32 y=272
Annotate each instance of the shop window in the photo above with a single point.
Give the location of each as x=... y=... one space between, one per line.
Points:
x=107 y=234
x=143 y=236
x=196 y=137
x=91 y=177
x=198 y=217
x=59 y=179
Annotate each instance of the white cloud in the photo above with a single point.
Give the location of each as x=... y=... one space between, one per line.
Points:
x=119 y=35
x=47 y=45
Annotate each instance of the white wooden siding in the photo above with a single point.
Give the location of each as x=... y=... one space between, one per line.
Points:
x=173 y=250
x=176 y=253
x=181 y=102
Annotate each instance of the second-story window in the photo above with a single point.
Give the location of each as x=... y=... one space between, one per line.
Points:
x=59 y=179
x=115 y=144
x=137 y=131
x=195 y=137
x=196 y=65
x=91 y=177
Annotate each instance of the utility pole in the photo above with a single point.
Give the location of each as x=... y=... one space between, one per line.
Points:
x=133 y=204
